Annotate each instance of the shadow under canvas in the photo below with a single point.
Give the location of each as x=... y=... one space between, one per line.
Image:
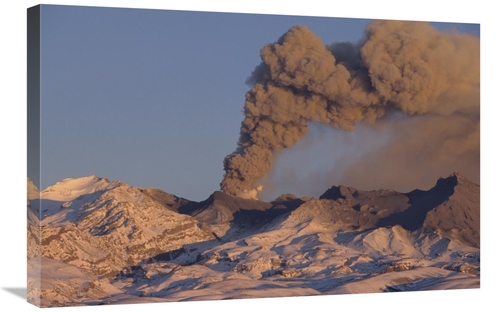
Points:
x=18 y=291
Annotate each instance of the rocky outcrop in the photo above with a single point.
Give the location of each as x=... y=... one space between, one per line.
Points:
x=462 y=268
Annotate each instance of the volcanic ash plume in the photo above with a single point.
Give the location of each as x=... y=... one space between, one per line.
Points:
x=401 y=66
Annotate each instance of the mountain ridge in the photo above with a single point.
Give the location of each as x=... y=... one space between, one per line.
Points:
x=131 y=242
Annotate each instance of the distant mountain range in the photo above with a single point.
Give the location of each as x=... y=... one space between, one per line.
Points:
x=97 y=241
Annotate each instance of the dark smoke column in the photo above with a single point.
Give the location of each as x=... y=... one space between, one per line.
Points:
x=297 y=82
x=408 y=66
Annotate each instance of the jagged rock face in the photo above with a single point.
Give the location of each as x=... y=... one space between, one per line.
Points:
x=458 y=216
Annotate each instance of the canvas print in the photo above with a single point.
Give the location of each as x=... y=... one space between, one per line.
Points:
x=177 y=156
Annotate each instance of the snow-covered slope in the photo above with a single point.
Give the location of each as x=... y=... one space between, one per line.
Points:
x=110 y=227
x=62 y=284
x=69 y=189
x=145 y=245
x=33 y=202
x=32 y=190
x=53 y=197
x=101 y=227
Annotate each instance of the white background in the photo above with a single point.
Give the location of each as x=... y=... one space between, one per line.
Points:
x=13 y=153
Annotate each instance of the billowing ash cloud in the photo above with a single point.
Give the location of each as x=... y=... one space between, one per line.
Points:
x=401 y=66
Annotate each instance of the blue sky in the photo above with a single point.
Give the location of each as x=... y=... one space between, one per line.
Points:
x=154 y=97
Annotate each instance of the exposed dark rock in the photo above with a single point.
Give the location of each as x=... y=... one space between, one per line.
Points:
x=399 y=266
x=462 y=268
x=170 y=201
x=450 y=207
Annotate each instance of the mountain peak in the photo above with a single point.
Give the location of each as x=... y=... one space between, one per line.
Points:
x=285 y=197
x=33 y=192
x=461 y=179
x=338 y=191
x=71 y=188
x=454 y=179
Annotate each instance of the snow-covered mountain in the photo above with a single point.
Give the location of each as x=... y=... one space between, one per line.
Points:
x=99 y=227
x=32 y=191
x=33 y=202
x=105 y=241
